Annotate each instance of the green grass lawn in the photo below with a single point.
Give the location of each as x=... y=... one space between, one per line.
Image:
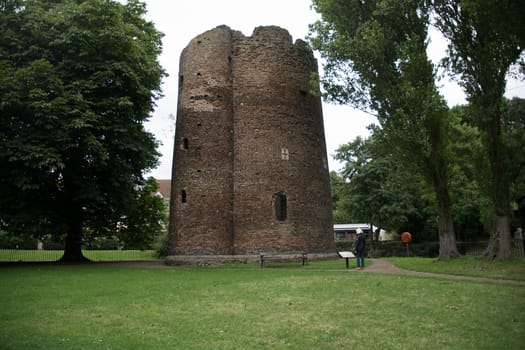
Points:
x=245 y=307
x=466 y=266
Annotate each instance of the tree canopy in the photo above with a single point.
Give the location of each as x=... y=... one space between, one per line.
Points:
x=486 y=39
x=375 y=188
x=77 y=81
x=372 y=186
x=376 y=60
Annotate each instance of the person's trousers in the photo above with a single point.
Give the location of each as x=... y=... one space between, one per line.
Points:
x=360 y=260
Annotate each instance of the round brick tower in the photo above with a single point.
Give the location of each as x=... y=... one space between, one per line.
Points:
x=250 y=171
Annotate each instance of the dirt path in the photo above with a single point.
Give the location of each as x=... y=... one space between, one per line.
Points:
x=384 y=266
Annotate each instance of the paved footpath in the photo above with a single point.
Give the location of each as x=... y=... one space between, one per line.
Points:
x=384 y=266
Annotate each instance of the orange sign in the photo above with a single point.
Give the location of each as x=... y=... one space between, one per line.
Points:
x=406 y=237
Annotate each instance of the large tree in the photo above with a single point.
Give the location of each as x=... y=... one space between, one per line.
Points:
x=77 y=81
x=486 y=38
x=467 y=174
x=376 y=59
x=514 y=129
x=378 y=189
x=339 y=188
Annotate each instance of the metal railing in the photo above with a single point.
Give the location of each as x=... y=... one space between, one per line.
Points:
x=28 y=255
x=479 y=248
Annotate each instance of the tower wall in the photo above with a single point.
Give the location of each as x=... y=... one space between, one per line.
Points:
x=250 y=151
x=279 y=146
x=202 y=200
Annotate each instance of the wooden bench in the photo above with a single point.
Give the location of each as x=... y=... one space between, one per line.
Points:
x=346 y=255
x=283 y=257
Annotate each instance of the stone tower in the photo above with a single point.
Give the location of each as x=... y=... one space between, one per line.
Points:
x=250 y=171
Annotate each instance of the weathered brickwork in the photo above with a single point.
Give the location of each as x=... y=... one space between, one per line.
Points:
x=250 y=168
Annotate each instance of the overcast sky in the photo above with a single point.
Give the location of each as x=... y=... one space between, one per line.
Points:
x=182 y=20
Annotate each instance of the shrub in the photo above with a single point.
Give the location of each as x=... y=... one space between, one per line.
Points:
x=10 y=241
x=161 y=246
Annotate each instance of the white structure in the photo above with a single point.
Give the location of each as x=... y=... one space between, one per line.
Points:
x=346 y=232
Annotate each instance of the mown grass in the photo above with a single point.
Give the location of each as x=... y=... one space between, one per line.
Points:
x=108 y=307
x=513 y=269
x=15 y=255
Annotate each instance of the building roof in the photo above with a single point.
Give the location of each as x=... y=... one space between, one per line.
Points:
x=164 y=187
x=352 y=227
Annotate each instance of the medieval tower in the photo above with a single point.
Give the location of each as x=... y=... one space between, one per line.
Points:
x=250 y=170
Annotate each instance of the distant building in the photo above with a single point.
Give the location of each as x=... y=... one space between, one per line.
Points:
x=164 y=190
x=347 y=232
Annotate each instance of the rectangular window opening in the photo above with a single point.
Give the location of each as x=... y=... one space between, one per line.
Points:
x=280 y=205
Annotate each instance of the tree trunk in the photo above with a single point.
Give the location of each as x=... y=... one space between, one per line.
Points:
x=438 y=175
x=490 y=251
x=505 y=240
x=501 y=201
x=73 y=249
x=447 y=239
x=447 y=236
x=500 y=242
x=73 y=244
x=499 y=181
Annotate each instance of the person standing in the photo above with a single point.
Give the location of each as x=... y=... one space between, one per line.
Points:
x=360 y=246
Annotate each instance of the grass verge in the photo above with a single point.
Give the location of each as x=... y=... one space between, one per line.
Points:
x=16 y=255
x=108 y=307
x=513 y=269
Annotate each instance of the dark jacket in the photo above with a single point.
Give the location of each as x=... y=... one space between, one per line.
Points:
x=360 y=244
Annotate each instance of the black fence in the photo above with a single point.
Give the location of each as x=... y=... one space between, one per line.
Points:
x=37 y=255
x=375 y=249
x=378 y=249
x=480 y=248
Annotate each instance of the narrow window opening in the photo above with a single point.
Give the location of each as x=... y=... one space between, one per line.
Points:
x=181 y=80
x=280 y=205
x=183 y=197
x=303 y=93
x=185 y=143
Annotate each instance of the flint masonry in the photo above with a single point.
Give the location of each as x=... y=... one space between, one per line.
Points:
x=250 y=169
